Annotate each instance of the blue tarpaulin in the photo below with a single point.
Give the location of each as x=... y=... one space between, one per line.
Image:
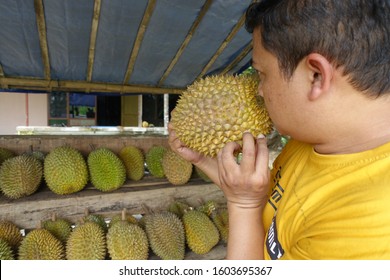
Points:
x=46 y=44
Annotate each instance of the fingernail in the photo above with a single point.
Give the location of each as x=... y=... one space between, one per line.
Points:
x=260 y=136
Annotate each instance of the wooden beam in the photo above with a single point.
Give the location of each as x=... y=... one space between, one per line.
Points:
x=224 y=44
x=40 y=17
x=83 y=86
x=138 y=40
x=92 y=42
x=240 y=57
x=193 y=28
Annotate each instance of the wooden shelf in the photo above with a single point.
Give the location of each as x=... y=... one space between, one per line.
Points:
x=154 y=193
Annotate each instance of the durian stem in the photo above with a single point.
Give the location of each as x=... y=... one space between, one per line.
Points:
x=124 y=214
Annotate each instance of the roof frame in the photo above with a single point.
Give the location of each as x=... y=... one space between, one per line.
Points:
x=140 y=35
x=87 y=85
x=41 y=25
x=187 y=39
x=92 y=44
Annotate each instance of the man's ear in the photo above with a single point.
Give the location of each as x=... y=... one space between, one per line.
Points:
x=321 y=74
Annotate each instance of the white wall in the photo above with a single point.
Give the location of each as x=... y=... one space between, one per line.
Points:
x=22 y=109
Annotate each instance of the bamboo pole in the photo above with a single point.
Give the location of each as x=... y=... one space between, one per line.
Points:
x=92 y=43
x=40 y=17
x=140 y=35
x=188 y=38
x=240 y=57
x=224 y=44
x=83 y=86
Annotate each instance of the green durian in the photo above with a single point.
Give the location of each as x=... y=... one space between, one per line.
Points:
x=127 y=241
x=86 y=242
x=134 y=161
x=106 y=169
x=177 y=170
x=61 y=228
x=153 y=160
x=40 y=244
x=166 y=235
x=201 y=233
x=179 y=208
x=11 y=233
x=65 y=170
x=6 y=252
x=20 y=176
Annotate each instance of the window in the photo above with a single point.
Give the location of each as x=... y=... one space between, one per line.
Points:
x=71 y=109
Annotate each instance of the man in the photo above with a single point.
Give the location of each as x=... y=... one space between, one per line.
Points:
x=324 y=68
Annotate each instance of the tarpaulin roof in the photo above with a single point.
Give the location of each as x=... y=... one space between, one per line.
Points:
x=119 y=46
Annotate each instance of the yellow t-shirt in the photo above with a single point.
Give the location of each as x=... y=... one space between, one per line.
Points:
x=328 y=206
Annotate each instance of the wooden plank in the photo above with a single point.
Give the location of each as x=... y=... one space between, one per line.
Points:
x=188 y=38
x=27 y=212
x=140 y=35
x=217 y=253
x=41 y=23
x=45 y=143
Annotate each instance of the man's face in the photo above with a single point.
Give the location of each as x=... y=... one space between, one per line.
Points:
x=283 y=99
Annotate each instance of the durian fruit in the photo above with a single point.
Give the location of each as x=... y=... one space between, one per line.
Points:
x=207 y=207
x=40 y=244
x=59 y=227
x=36 y=153
x=127 y=241
x=201 y=233
x=5 y=154
x=166 y=235
x=11 y=233
x=219 y=109
x=95 y=218
x=179 y=208
x=123 y=216
x=177 y=170
x=65 y=170
x=6 y=252
x=106 y=169
x=20 y=176
x=220 y=217
x=153 y=160
x=86 y=242
x=201 y=174
x=134 y=160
